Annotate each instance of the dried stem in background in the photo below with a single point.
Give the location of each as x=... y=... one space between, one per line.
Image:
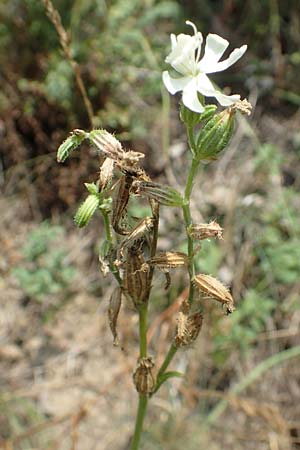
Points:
x=55 y=18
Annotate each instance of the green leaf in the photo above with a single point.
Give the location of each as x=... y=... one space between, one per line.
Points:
x=165 y=376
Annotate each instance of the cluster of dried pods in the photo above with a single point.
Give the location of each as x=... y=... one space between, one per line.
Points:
x=131 y=254
x=134 y=255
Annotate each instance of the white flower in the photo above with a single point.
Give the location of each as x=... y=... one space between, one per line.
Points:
x=185 y=58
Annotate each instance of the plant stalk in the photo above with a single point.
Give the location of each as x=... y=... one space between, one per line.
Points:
x=143 y=400
x=188 y=220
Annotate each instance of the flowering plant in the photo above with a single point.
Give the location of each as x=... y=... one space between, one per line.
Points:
x=131 y=253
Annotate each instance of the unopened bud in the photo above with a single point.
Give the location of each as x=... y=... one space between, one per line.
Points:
x=205 y=231
x=163 y=194
x=215 y=289
x=87 y=210
x=143 y=377
x=72 y=142
x=215 y=135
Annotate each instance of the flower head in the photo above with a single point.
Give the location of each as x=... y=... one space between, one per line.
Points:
x=185 y=58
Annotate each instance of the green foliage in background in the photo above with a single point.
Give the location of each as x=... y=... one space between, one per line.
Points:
x=44 y=271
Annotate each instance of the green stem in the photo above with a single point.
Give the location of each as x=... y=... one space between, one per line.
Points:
x=109 y=239
x=191 y=268
x=141 y=412
x=188 y=221
x=167 y=360
x=143 y=313
x=142 y=407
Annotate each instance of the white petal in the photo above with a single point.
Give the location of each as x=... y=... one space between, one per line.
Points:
x=182 y=57
x=174 y=84
x=226 y=100
x=190 y=97
x=223 y=65
x=214 y=48
x=205 y=87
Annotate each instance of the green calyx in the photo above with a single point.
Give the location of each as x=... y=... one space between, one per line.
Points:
x=86 y=210
x=70 y=144
x=191 y=118
x=215 y=135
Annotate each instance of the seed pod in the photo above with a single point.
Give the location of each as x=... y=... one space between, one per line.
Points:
x=188 y=328
x=143 y=377
x=106 y=173
x=113 y=312
x=215 y=135
x=120 y=204
x=215 y=289
x=72 y=142
x=168 y=260
x=137 y=233
x=205 y=231
x=106 y=143
x=163 y=194
x=135 y=280
x=86 y=210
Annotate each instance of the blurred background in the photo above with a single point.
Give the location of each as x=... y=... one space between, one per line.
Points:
x=63 y=384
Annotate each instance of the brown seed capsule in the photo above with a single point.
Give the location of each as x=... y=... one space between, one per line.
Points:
x=143 y=377
x=215 y=289
x=120 y=203
x=137 y=233
x=188 y=327
x=168 y=260
x=113 y=312
x=205 y=231
x=106 y=143
x=135 y=280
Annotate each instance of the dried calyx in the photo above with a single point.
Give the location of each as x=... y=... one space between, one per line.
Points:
x=144 y=377
x=215 y=289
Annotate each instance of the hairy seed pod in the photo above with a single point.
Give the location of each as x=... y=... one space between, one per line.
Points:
x=106 y=173
x=143 y=377
x=135 y=280
x=169 y=260
x=72 y=142
x=106 y=143
x=188 y=328
x=120 y=204
x=205 y=231
x=215 y=289
x=113 y=312
x=163 y=194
